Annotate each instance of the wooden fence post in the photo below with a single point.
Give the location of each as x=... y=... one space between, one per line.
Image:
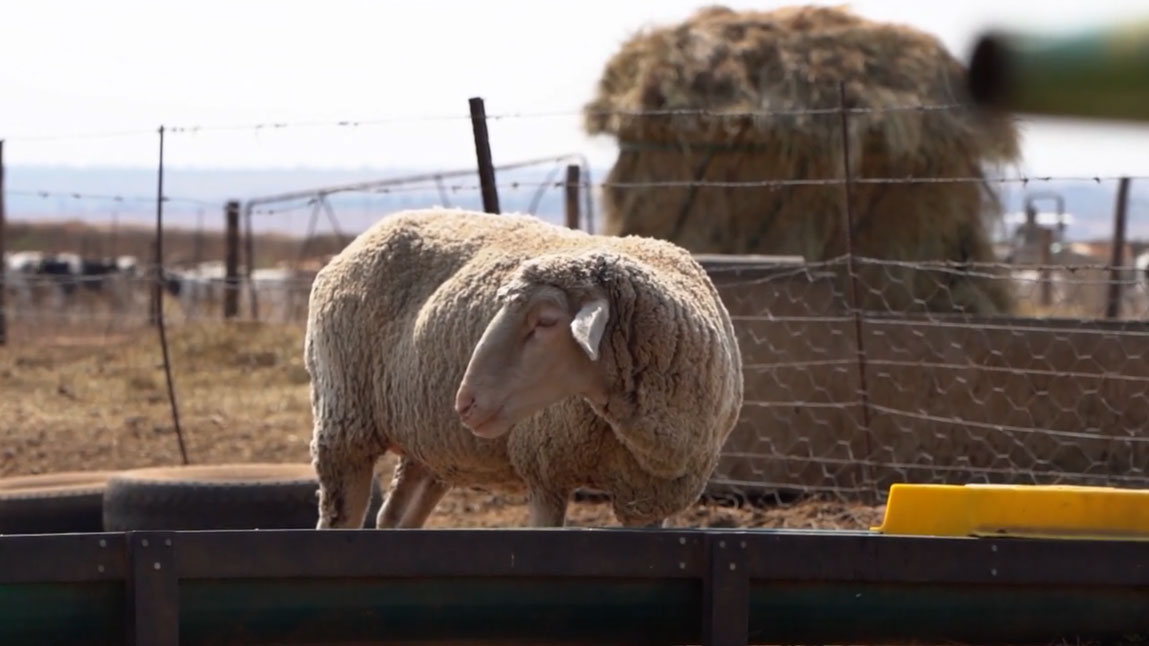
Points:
x=231 y=260
x=571 y=210
x=483 y=153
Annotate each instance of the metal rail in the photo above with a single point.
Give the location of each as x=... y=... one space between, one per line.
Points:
x=567 y=586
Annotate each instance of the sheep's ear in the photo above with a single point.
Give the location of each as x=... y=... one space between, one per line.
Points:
x=588 y=325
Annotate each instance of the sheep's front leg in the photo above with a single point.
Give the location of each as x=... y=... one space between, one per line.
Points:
x=546 y=508
x=412 y=497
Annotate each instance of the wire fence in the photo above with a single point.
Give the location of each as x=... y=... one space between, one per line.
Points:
x=877 y=349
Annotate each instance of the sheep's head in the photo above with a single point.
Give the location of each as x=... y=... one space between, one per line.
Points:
x=540 y=347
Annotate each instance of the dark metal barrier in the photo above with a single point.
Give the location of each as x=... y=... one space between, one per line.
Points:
x=568 y=586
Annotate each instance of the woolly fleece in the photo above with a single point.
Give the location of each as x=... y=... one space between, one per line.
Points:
x=393 y=320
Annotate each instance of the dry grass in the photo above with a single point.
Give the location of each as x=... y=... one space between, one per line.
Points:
x=100 y=402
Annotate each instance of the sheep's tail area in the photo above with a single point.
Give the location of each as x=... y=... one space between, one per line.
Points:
x=344 y=445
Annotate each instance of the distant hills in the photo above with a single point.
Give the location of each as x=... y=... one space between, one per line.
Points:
x=1090 y=203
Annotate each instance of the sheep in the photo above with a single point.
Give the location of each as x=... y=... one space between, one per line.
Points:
x=504 y=352
x=201 y=283
x=276 y=287
x=20 y=268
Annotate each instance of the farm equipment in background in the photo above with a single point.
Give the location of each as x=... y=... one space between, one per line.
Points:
x=1033 y=229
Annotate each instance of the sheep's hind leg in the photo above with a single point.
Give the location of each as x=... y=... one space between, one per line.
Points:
x=344 y=486
x=412 y=497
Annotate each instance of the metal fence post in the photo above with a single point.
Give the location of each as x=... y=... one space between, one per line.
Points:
x=571 y=206
x=1113 y=306
x=849 y=231
x=483 y=153
x=231 y=260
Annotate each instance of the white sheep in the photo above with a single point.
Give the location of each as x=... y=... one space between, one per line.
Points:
x=503 y=352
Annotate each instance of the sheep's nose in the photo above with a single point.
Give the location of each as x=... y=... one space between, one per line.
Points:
x=464 y=402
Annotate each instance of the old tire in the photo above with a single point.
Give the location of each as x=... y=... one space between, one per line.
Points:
x=228 y=496
x=52 y=503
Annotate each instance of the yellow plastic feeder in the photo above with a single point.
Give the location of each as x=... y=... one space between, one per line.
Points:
x=1029 y=511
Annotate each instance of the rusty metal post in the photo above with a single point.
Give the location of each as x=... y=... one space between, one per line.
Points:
x=1113 y=305
x=231 y=260
x=571 y=210
x=849 y=233
x=3 y=253
x=483 y=153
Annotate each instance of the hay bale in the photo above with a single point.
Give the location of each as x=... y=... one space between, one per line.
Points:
x=792 y=60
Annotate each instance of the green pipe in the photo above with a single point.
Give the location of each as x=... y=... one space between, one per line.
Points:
x=1103 y=74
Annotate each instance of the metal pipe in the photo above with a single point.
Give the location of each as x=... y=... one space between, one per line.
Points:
x=1100 y=74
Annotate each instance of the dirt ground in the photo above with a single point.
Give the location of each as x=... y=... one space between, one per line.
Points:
x=99 y=401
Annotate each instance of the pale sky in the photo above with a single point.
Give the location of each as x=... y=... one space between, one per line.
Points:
x=112 y=65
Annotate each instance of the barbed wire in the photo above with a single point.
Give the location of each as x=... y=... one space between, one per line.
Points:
x=672 y=112
x=404 y=119
x=770 y=183
x=282 y=210
x=46 y=194
x=955 y=267
x=94 y=134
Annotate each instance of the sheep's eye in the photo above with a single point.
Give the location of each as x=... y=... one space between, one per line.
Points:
x=546 y=321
